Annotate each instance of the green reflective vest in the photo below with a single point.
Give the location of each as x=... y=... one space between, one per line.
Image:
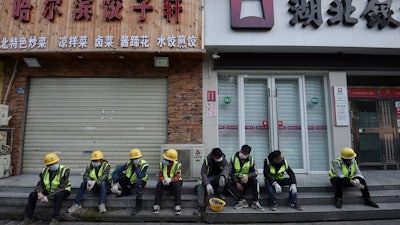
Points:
x=345 y=170
x=280 y=174
x=52 y=186
x=240 y=171
x=176 y=166
x=94 y=176
x=130 y=173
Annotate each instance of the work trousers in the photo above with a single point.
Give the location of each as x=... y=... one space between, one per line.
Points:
x=127 y=186
x=341 y=183
x=201 y=189
x=271 y=190
x=101 y=190
x=58 y=200
x=252 y=183
x=176 y=188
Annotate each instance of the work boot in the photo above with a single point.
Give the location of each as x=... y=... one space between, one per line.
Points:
x=338 y=203
x=53 y=221
x=369 y=202
x=138 y=207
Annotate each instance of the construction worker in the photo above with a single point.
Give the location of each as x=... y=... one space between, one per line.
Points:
x=243 y=175
x=97 y=178
x=169 y=179
x=131 y=175
x=275 y=167
x=344 y=172
x=214 y=175
x=53 y=184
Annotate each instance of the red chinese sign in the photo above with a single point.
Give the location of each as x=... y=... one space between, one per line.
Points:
x=21 y=9
x=363 y=92
x=111 y=9
x=52 y=7
x=143 y=8
x=82 y=8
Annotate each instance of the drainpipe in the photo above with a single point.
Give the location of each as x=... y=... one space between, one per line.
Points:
x=11 y=81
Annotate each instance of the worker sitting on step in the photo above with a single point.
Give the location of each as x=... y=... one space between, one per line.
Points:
x=54 y=183
x=344 y=172
x=97 y=178
x=131 y=175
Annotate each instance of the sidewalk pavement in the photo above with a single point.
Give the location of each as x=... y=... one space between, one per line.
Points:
x=369 y=222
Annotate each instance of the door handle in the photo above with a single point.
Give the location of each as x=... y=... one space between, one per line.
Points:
x=361 y=130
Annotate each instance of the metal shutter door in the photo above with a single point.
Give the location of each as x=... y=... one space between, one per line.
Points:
x=74 y=116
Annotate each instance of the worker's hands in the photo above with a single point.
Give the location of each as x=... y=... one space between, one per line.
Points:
x=44 y=199
x=356 y=183
x=239 y=186
x=166 y=181
x=293 y=188
x=221 y=181
x=210 y=189
x=116 y=188
x=278 y=188
x=90 y=184
x=244 y=179
x=40 y=196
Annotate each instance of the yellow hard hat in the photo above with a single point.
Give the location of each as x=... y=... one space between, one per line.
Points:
x=96 y=155
x=51 y=158
x=135 y=153
x=347 y=153
x=171 y=155
x=216 y=204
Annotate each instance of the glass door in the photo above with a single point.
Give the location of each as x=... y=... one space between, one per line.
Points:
x=271 y=117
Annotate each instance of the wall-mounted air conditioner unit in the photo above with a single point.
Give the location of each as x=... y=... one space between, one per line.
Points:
x=4 y=118
x=5 y=165
x=191 y=156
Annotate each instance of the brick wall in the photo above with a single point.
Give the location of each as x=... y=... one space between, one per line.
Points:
x=184 y=92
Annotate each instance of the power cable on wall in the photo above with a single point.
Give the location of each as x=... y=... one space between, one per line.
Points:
x=11 y=81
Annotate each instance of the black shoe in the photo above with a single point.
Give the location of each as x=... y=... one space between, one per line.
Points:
x=221 y=196
x=136 y=210
x=338 y=203
x=369 y=202
x=197 y=211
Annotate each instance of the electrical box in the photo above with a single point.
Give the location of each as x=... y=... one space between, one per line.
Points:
x=4 y=118
x=5 y=165
x=191 y=156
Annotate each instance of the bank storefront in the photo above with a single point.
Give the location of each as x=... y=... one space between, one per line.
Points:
x=278 y=77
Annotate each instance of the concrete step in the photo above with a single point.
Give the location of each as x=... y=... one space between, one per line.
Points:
x=310 y=213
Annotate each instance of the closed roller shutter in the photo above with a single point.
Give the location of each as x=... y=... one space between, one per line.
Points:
x=74 y=116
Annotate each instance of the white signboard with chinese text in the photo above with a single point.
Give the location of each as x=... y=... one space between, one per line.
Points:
x=341 y=106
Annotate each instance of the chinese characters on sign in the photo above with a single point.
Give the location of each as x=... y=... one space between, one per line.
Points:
x=341 y=106
x=308 y=12
x=107 y=41
x=21 y=9
x=83 y=9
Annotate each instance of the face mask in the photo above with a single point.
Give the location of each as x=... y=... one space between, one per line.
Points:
x=54 y=167
x=220 y=159
x=136 y=162
x=165 y=162
x=243 y=156
x=96 y=164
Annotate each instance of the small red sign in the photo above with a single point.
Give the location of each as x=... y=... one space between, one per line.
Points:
x=363 y=92
x=265 y=123
x=280 y=123
x=211 y=96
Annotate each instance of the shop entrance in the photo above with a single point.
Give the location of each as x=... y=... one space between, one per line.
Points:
x=374 y=127
x=268 y=115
